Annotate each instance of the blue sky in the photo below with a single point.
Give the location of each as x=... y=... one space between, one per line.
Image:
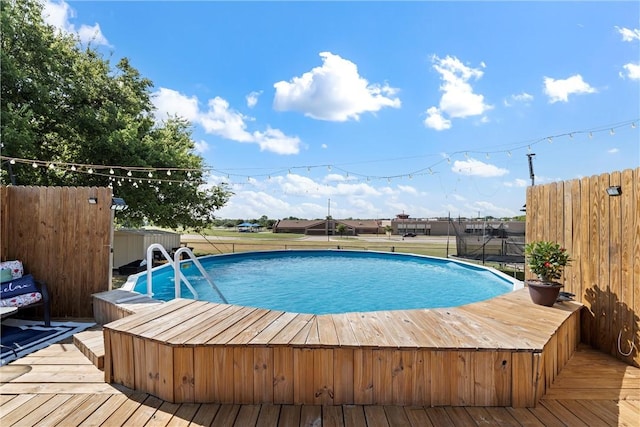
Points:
x=427 y=108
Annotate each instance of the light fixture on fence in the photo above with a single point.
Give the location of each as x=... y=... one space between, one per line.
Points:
x=118 y=204
x=93 y=200
x=614 y=190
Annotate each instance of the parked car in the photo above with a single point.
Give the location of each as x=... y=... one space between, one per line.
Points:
x=409 y=235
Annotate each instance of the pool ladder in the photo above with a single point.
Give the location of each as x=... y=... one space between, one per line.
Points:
x=179 y=277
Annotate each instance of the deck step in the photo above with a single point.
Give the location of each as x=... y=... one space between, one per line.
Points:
x=91 y=344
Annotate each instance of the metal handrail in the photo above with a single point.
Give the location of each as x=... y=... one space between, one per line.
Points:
x=176 y=268
x=204 y=273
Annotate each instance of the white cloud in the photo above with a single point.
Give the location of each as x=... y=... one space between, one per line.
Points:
x=334 y=177
x=559 y=90
x=252 y=99
x=334 y=92
x=201 y=146
x=275 y=141
x=435 y=120
x=521 y=98
x=58 y=14
x=458 y=99
x=489 y=209
x=222 y=120
x=324 y=146
x=613 y=151
x=518 y=182
x=170 y=103
x=633 y=71
x=473 y=167
x=629 y=35
x=407 y=189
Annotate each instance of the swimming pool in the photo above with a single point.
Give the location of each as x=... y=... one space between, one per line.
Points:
x=333 y=281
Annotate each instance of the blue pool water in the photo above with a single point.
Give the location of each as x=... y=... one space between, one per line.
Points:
x=322 y=282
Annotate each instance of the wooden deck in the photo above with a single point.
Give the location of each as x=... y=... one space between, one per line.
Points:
x=59 y=386
x=502 y=352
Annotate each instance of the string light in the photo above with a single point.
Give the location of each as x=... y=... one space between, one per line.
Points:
x=108 y=170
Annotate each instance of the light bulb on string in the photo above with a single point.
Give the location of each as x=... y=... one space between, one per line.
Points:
x=111 y=172
x=430 y=171
x=189 y=174
x=466 y=155
x=487 y=155
x=509 y=153
x=633 y=125
x=612 y=132
x=571 y=136
x=129 y=173
x=550 y=139
x=52 y=166
x=169 y=173
x=34 y=164
x=73 y=168
x=12 y=161
x=150 y=174
x=90 y=170
x=590 y=135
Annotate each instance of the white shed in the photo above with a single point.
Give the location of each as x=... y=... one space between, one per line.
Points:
x=131 y=244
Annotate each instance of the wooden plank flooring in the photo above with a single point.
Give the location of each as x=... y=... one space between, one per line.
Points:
x=60 y=386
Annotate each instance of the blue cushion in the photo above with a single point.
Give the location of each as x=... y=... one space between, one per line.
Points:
x=21 y=286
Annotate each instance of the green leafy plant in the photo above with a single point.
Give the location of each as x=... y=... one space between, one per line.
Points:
x=547 y=260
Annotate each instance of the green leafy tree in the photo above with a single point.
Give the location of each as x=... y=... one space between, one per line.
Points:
x=341 y=229
x=64 y=105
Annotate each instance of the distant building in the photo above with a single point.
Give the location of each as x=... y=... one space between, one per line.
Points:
x=400 y=225
x=324 y=227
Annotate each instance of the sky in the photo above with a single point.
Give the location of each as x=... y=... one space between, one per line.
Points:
x=371 y=109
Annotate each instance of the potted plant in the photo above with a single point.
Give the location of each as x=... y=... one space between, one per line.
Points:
x=546 y=260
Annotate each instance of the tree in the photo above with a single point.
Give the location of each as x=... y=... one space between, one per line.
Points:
x=66 y=107
x=341 y=229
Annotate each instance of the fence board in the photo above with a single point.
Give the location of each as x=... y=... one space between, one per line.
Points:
x=62 y=239
x=602 y=234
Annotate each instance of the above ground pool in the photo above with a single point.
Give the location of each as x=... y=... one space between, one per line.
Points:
x=332 y=281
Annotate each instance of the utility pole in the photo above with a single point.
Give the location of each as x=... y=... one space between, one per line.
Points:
x=531 y=174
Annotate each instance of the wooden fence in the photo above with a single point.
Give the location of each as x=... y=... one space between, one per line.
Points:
x=602 y=234
x=62 y=239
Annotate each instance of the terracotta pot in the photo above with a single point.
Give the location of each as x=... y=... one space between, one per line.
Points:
x=543 y=293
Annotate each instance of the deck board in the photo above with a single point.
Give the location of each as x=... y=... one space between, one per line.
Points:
x=75 y=407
